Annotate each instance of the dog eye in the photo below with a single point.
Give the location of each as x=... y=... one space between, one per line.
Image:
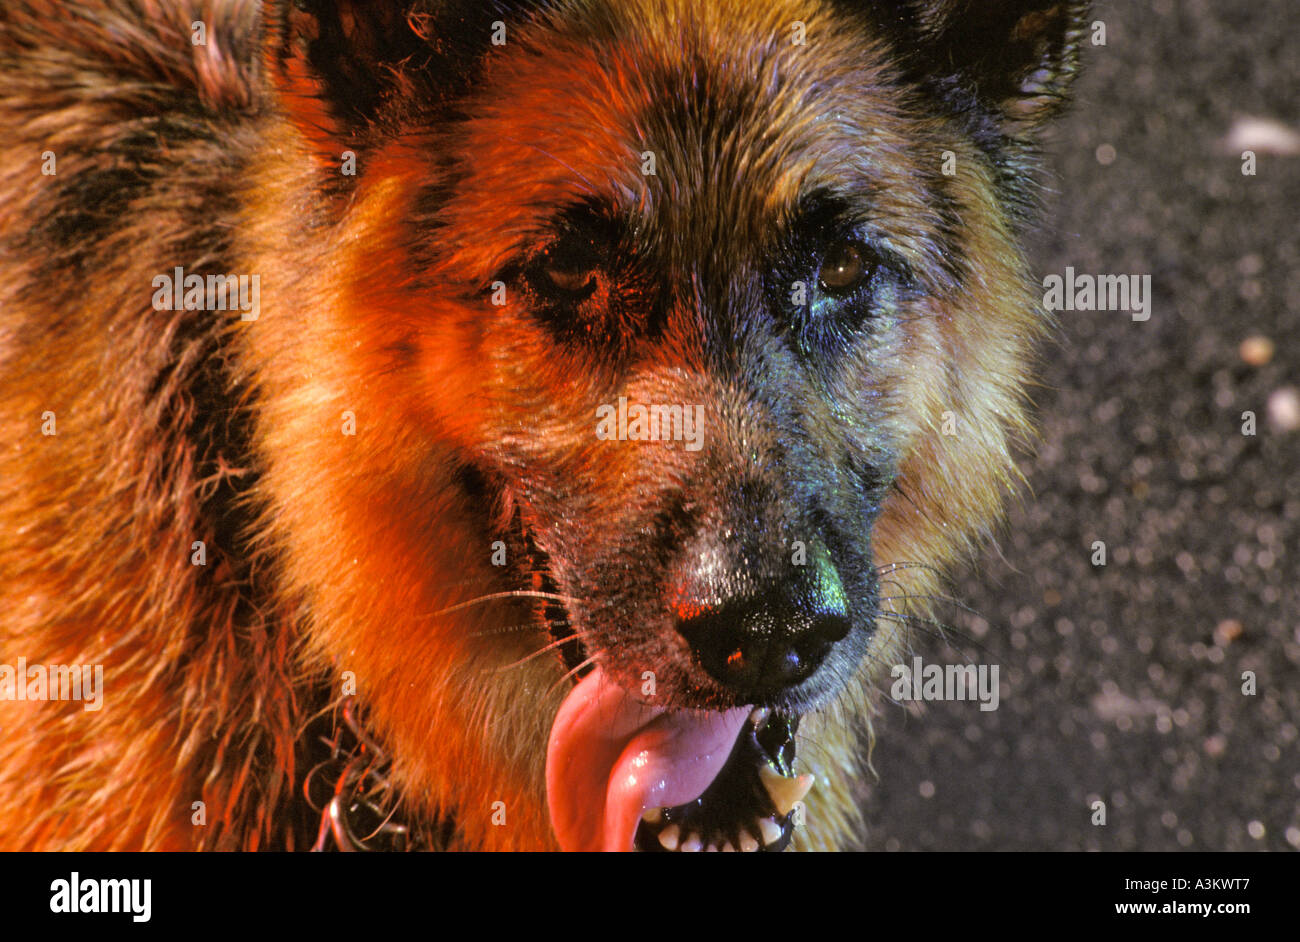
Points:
x=844 y=266
x=571 y=282
x=568 y=269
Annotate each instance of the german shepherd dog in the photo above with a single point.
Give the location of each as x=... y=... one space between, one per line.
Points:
x=516 y=425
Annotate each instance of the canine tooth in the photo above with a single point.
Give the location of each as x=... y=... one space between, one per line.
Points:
x=747 y=843
x=727 y=848
x=783 y=791
x=653 y=815
x=692 y=844
x=668 y=837
x=770 y=830
x=711 y=849
x=759 y=717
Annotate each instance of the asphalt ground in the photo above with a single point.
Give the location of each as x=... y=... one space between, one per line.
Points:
x=1123 y=683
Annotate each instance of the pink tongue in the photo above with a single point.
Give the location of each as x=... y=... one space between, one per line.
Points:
x=612 y=757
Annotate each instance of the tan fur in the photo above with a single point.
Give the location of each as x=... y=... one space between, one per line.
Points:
x=360 y=544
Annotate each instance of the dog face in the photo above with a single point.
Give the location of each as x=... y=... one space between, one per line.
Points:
x=757 y=285
x=687 y=295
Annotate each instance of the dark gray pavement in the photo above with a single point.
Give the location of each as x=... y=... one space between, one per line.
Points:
x=1124 y=683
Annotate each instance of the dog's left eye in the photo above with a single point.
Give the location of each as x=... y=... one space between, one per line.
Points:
x=844 y=266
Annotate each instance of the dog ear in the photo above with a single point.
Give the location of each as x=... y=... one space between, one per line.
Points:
x=336 y=62
x=331 y=60
x=1016 y=57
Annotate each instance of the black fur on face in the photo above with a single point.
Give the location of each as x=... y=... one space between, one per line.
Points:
x=770 y=329
x=769 y=272
x=778 y=503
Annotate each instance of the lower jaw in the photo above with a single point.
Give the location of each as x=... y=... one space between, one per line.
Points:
x=752 y=805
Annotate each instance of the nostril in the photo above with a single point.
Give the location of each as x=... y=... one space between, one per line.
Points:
x=722 y=643
x=766 y=637
x=743 y=646
x=803 y=657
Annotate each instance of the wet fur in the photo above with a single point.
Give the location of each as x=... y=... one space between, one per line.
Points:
x=330 y=553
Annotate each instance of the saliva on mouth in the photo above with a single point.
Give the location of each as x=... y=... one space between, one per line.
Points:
x=751 y=804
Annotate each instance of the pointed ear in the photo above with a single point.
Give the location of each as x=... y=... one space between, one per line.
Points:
x=1017 y=57
x=334 y=60
x=336 y=63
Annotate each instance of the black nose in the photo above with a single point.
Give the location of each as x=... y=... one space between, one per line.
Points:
x=767 y=638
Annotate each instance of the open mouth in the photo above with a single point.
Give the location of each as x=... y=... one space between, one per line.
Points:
x=749 y=807
x=622 y=774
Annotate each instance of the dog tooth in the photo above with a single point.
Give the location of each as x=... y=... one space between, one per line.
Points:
x=770 y=830
x=653 y=815
x=784 y=791
x=747 y=843
x=692 y=844
x=711 y=849
x=727 y=848
x=668 y=837
x=759 y=717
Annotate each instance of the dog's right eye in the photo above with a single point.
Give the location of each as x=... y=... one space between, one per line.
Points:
x=568 y=270
x=582 y=283
x=573 y=282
